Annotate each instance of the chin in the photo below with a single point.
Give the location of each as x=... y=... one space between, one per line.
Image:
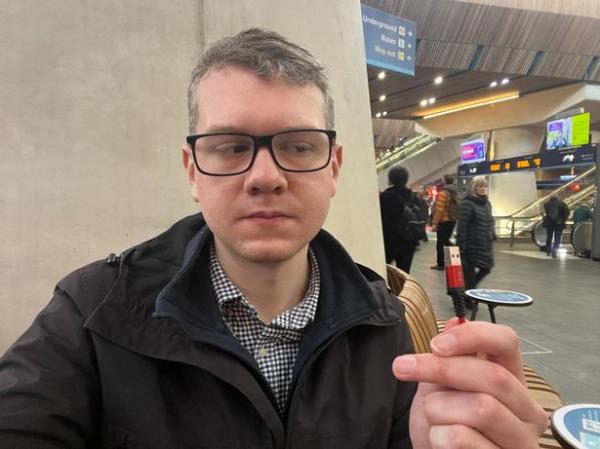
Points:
x=270 y=252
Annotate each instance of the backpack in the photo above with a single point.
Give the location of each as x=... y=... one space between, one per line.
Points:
x=412 y=224
x=452 y=205
x=552 y=212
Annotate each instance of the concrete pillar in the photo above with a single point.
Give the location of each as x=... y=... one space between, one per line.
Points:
x=93 y=113
x=509 y=192
x=93 y=107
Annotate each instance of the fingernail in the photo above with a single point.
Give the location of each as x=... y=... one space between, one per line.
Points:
x=438 y=437
x=405 y=364
x=444 y=343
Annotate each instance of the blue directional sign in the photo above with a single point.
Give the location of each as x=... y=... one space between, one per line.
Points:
x=390 y=42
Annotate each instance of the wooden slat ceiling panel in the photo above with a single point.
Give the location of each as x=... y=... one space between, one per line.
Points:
x=448 y=55
x=589 y=8
x=387 y=132
x=471 y=23
x=505 y=60
x=561 y=65
x=556 y=33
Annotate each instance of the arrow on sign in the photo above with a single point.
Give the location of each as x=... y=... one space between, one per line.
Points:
x=569 y=158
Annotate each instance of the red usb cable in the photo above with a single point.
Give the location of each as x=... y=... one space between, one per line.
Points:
x=455 y=280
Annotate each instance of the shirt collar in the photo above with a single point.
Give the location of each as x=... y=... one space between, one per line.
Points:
x=298 y=317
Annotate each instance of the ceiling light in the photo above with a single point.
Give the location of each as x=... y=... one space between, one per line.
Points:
x=436 y=112
x=381 y=75
x=438 y=79
x=423 y=102
x=382 y=98
x=493 y=83
x=431 y=100
x=504 y=81
x=384 y=113
x=378 y=115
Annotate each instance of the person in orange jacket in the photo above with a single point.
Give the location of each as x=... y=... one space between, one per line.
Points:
x=445 y=213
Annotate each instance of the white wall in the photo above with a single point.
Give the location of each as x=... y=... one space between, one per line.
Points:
x=508 y=192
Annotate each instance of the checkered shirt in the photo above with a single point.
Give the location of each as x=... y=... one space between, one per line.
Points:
x=273 y=345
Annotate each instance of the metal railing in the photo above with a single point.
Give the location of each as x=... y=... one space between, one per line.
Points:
x=561 y=192
x=518 y=225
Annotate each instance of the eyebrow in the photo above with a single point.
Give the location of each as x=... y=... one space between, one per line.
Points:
x=233 y=130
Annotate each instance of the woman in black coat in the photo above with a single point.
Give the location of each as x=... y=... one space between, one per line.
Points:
x=475 y=233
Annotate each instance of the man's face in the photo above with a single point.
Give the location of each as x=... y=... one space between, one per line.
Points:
x=266 y=214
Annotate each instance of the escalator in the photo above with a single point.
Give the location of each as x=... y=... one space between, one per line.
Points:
x=408 y=149
x=527 y=221
x=538 y=232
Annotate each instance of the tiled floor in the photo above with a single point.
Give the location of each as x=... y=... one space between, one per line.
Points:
x=560 y=331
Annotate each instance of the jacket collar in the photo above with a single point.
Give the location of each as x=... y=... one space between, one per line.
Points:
x=170 y=273
x=345 y=295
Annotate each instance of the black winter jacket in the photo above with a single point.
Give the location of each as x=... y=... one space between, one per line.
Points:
x=475 y=231
x=105 y=364
x=392 y=202
x=556 y=213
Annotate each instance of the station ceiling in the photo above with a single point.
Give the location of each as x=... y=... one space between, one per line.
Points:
x=472 y=44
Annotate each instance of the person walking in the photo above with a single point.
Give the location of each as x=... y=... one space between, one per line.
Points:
x=555 y=220
x=445 y=214
x=397 y=202
x=475 y=234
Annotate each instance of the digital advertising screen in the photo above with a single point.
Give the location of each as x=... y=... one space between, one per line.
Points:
x=568 y=132
x=472 y=151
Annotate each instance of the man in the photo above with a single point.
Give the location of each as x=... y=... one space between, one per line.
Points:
x=399 y=237
x=249 y=327
x=555 y=220
x=445 y=214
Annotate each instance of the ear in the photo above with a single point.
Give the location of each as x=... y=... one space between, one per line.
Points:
x=337 y=155
x=190 y=169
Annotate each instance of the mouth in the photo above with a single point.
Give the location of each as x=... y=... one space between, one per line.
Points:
x=266 y=215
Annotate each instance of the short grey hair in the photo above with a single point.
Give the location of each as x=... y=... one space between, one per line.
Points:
x=266 y=54
x=477 y=181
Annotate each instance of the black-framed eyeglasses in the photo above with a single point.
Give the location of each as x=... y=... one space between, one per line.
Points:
x=228 y=154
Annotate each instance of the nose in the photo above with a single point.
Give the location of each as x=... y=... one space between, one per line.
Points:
x=264 y=175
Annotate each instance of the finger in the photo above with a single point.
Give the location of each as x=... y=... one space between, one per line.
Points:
x=458 y=437
x=467 y=373
x=481 y=412
x=499 y=343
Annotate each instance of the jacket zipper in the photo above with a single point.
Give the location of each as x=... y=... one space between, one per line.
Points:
x=311 y=360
